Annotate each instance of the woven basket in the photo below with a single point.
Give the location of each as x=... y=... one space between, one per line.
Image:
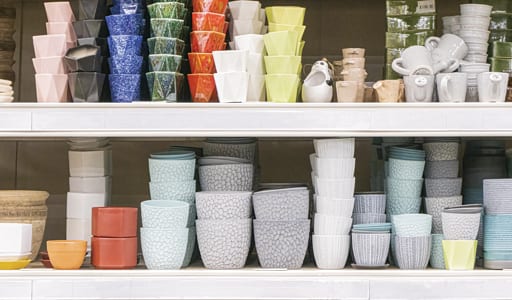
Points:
x=22 y=198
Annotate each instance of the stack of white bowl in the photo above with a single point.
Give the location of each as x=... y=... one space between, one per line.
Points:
x=6 y=91
x=232 y=78
x=16 y=242
x=451 y=24
x=90 y=169
x=256 y=47
x=474 y=30
x=334 y=181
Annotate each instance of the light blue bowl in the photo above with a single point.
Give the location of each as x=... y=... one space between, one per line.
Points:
x=184 y=191
x=166 y=214
x=498 y=255
x=400 y=206
x=164 y=170
x=436 y=255
x=412 y=225
x=406 y=169
x=164 y=249
x=403 y=188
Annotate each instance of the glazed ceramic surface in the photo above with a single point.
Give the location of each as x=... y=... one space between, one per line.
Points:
x=412 y=225
x=173 y=190
x=460 y=226
x=435 y=206
x=370 y=203
x=236 y=177
x=331 y=252
x=443 y=187
x=167 y=214
x=413 y=253
x=171 y=170
x=223 y=205
x=164 y=249
x=370 y=249
x=442 y=169
x=282 y=204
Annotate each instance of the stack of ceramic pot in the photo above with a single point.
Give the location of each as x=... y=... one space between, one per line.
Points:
x=87 y=64
x=168 y=234
x=333 y=174
x=126 y=28
x=7 y=44
x=371 y=242
x=90 y=169
x=404 y=180
x=114 y=240
x=18 y=242
x=232 y=78
x=442 y=163
x=284 y=47
x=369 y=208
x=164 y=79
x=6 y=91
x=474 y=30
x=497 y=220
x=224 y=228
x=247 y=17
x=460 y=230
x=51 y=74
x=351 y=88
x=281 y=227
x=208 y=35
x=411 y=240
x=408 y=23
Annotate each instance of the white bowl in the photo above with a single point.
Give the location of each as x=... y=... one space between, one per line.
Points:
x=331 y=225
x=79 y=229
x=335 y=188
x=90 y=163
x=472 y=9
x=335 y=148
x=79 y=205
x=90 y=184
x=475 y=20
x=334 y=206
x=16 y=238
x=331 y=251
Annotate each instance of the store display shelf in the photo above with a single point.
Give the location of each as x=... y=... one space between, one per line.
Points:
x=307 y=283
x=146 y=119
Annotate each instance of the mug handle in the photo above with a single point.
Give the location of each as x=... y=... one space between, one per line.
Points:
x=396 y=65
x=453 y=65
x=432 y=42
x=421 y=93
x=445 y=92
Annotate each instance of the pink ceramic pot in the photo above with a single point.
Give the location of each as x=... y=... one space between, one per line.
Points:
x=52 y=87
x=49 y=45
x=59 y=11
x=62 y=28
x=50 y=65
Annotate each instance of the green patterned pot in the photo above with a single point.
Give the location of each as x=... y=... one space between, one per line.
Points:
x=166 y=28
x=165 y=86
x=165 y=62
x=169 y=10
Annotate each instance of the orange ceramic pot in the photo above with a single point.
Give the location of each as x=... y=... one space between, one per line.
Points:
x=215 y=6
x=207 y=41
x=114 y=253
x=201 y=63
x=206 y=21
x=66 y=254
x=114 y=221
x=202 y=88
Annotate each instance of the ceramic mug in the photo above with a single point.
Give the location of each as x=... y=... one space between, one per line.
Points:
x=492 y=86
x=451 y=87
x=419 y=88
x=446 y=48
x=388 y=90
x=415 y=60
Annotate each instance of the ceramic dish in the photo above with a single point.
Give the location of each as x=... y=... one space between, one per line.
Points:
x=14 y=265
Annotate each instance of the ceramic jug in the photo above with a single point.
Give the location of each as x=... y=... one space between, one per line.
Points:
x=317 y=86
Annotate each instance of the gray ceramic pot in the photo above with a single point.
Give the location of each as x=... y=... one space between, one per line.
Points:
x=442 y=169
x=443 y=187
x=370 y=249
x=235 y=177
x=247 y=151
x=223 y=205
x=281 y=204
x=370 y=203
x=435 y=206
x=413 y=253
x=441 y=151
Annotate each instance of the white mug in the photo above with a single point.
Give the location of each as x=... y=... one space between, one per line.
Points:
x=415 y=60
x=451 y=87
x=492 y=86
x=446 y=48
x=419 y=88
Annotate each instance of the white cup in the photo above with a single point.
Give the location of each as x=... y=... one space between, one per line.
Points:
x=477 y=58
x=349 y=91
x=451 y=87
x=232 y=86
x=250 y=42
x=90 y=163
x=331 y=225
x=256 y=91
x=469 y=67
x=353 y=63
x=417 y=60
x=230 y=60
x=447 y=47
x=475 y=20
x=245 y=10
x=492 y=86
x=90 y=184
x=473 y=9
x=241 y=27
x=419 y=88
x=79 y=205
x=79 y=229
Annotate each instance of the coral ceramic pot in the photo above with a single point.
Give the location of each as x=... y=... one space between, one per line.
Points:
x=66 y=254
x=114 y=222
x=114 y=253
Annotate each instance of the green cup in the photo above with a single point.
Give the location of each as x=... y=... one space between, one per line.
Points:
x=289 y=15
x=165 y=62
x=170 y=10
x=459 y=254
x=171 y=28
x=281 y=43
x=282 y=88
x=300 y=29
x=283 y=64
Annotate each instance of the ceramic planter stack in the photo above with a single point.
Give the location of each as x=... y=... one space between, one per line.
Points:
x=370 y=240
x=208 y=35
x=6 y=91
x=7 y=44
x=404 y=180
x=126 y=28
x=497 y=221
x=281 y=227
x=17 y=245
x=411 y=240
x=168 y=234
x=284 y=47
x=409 y=23
x=167 y=25
x=474 y=30
x=90 y=169
x=87 y=71
x=333 y=174
x=460 y=230
x=51 y=73
x=114 y=241
x=351 y=88
x=232 y=78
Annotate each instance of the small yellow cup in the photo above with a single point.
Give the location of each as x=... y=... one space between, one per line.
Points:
x=290 y=15
x=459 y=254
x=300 y=29
x=281 y=43
x=283 y=64
x=283 y=88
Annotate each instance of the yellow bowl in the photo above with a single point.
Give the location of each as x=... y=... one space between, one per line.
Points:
x=290 y=15
x=459 y=254
x=282 y=88
x=281 y=43
x=300 y=29
x=14 y=265
x=283 y=64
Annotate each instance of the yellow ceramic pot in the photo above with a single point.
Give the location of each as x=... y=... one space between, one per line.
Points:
x=289 y=15
x=282 y=87
x=281 y=43
x=459 y=254
x=283 y=64
x=300 y=29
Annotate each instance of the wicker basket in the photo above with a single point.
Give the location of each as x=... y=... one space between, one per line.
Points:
x=22 y=198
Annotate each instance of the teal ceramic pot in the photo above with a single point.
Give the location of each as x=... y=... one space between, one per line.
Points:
x=173 y=190
x=164 y=249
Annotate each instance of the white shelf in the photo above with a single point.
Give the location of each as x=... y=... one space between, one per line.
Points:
x=146 y=119
x=254 y=283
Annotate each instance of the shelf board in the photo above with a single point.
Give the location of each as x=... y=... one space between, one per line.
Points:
x=147 y=119
x=307 y=283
